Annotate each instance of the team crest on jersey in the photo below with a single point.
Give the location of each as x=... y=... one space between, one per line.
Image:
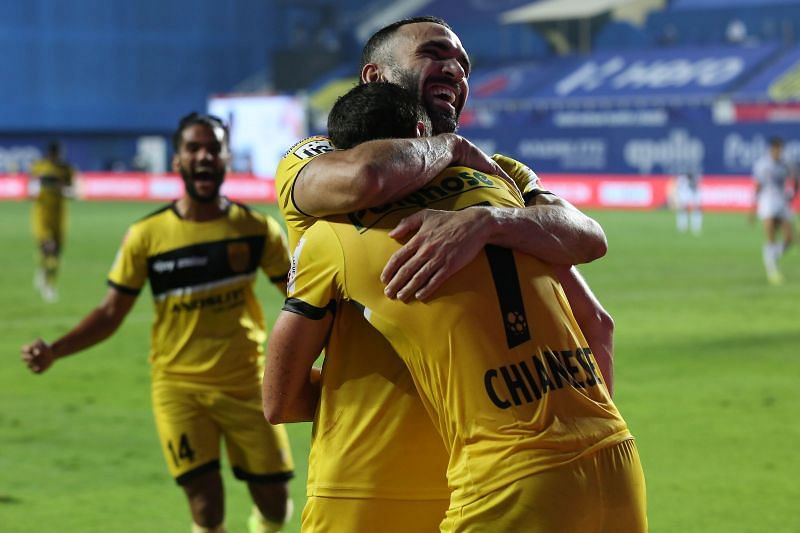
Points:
x=313 y=148
x=239 y=256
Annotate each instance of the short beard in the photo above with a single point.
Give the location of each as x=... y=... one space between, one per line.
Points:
x=441 y=121
x=188 y=185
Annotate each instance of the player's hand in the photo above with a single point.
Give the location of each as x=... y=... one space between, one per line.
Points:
x=38 y=356
x=442 y=243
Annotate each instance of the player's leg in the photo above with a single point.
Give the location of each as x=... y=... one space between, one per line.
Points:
x=190 y=443
x=273 y=506
x=206 y=498
x=787 y=227
x=770 y=251
x=696 y=214
x=259 y=454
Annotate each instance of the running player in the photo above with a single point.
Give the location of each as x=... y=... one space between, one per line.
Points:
x=201 y=255
x=51 y=182
x=773 y=205
x=399 y=484
x=496 y=355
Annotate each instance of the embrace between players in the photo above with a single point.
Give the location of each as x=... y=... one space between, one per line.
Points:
x=467 y=377
x=469 y=360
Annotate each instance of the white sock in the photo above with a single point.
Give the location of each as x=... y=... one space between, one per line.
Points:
x=778 y=250
x=683 y=221
x=697 y=221
x=768 y=254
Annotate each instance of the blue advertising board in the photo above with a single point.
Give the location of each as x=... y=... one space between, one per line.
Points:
x=690 y=75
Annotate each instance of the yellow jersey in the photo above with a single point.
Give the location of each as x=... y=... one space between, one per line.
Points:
x=501 y=366
x=52 y=177
x=208 y=327
x=371 y=436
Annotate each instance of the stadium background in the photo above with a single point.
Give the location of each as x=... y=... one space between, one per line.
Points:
x=606 y=99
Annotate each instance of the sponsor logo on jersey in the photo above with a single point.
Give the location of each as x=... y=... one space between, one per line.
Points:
x=446 y=188
x=230 y=299
x=313 y=148
x=238 y=256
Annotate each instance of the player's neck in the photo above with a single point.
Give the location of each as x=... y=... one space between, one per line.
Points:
x=190 y=209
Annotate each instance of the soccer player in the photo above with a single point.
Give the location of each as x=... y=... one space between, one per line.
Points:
x=356 y=481
x=201 y=255
x=773 y=205
x=688 y=203
x=51 y=180
x=535 y=442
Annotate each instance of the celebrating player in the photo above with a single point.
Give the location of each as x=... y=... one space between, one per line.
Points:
x=398 y=484
x=201 y=255
x=496 y=355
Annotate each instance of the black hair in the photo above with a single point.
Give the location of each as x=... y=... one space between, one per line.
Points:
x=197 y=118
x=377 y=110
x=54 y=148
x=373 y=48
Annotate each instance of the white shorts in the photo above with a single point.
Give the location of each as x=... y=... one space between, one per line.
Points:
x=773 y=205
x=685 y=196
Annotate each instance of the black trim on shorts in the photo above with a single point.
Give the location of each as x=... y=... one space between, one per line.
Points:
x=299 y=307
x=202 y=469
x=278 y=477
x=123 y=288
x=530 y=195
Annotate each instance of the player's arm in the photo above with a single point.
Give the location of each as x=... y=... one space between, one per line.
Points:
x=291 y=385
x=381 y=171
x=443 y=242
x=595 y=322
x=98 y=325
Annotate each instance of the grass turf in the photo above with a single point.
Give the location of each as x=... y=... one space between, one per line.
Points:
x=706 y=373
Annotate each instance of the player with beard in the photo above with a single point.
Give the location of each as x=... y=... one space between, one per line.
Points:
x=399 y=484
x=201 y=255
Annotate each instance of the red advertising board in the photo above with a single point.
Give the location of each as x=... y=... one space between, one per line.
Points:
x=607 y=191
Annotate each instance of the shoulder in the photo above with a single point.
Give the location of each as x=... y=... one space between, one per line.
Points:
x=308 y=148
x=153 y=220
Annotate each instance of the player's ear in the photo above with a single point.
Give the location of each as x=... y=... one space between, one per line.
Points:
x=372 y=72
x=176 y=164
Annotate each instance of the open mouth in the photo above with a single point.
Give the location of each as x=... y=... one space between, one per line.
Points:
x=444 y=94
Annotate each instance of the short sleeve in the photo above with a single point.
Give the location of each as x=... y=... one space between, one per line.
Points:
x=315 y=277
x=129 y=271
x=275 y=259
x=289 y=168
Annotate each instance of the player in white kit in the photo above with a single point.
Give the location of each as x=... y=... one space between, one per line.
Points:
x=776 y=186
x=688 y=205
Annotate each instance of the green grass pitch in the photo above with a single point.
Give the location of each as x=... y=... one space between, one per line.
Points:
x=707 y=370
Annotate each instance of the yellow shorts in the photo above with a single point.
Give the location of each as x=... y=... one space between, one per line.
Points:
x=368 y=515
x=48 y=221
x=601 y=493
x=190 y=421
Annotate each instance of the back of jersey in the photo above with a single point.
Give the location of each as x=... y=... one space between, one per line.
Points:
x=496 y=355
